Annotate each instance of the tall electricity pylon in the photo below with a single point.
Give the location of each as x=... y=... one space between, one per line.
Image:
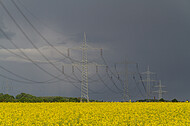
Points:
x=160 y=91
x=84 y=85
x=125 y=84
x=84 y=65
x=148 y=81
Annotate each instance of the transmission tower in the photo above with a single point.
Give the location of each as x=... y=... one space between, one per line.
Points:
x=160 y=91
x=84 y=85
x=148 y=81
x=125 y=84
x=84 y=65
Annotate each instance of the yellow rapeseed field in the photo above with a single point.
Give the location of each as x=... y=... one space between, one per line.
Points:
x=106 y=114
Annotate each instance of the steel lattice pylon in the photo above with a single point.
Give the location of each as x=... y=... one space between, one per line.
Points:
x=84 y=85
x=148 y=81
x=160 y=91
x=84 y=66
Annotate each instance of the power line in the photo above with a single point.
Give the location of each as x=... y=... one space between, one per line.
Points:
x=27 y=57
x=110 y=77
x=114 y=83
x=102 y=80
x=31 y=43
x=20 y=56
x=126 y=84
x=118 y=76
x=106 y=84
x=9 y=50
x=26 y=82
x=107 y=74
x=137 y=86
x=49 y=61
x=36 y=30
x=24 y=78
x=47 y=81
x=137 y=67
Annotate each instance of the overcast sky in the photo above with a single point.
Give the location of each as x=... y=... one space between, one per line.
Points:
x=154 y=33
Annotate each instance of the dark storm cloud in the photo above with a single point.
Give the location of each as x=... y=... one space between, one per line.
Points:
x=154 y=33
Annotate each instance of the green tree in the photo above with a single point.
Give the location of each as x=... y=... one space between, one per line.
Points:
x=28 y=96
x=161 y=100
x=174 y=100
x=6 y=98
x=58 y=99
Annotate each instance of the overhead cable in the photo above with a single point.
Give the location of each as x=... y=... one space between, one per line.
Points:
x=30 y=40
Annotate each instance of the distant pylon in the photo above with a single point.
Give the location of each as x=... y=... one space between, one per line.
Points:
x=126 y=74
x=148 y=81
x=160 y=91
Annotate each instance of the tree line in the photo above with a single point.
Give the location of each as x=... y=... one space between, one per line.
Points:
x=23 y=97
x=159 y=100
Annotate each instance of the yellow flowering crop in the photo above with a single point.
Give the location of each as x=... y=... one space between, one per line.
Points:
x=106 y=114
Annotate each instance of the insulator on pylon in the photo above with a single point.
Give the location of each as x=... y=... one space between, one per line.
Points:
x=63 y=69
x=118 y=76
